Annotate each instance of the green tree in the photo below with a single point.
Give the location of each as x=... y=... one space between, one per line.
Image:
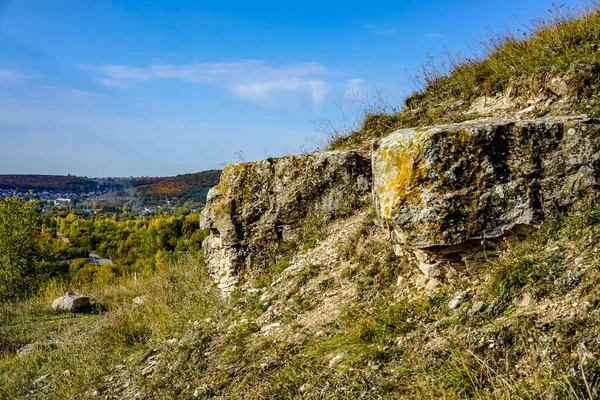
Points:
x=20 y=227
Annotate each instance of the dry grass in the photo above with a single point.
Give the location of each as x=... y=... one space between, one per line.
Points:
x=562 y=45
x=384 y=345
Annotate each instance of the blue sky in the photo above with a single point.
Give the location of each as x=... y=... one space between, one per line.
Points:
x=163 y=87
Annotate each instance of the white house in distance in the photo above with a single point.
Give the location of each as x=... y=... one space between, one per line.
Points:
x=61 y=201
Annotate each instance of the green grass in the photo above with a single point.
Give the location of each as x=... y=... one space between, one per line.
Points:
x=538 y=263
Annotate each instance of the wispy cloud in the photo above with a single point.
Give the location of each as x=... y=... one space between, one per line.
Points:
x=381 y=29
x=7 y=75
x=73 y=92
x=252 y=80
x=355 y=86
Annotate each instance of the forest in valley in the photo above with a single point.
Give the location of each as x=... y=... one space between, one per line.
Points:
x=38 y=249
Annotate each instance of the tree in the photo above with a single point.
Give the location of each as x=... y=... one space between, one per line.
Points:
x=20 y=227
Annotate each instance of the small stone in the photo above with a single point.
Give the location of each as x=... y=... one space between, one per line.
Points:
x=476 y=308
x=139 y=300
x=41 y=379
x=584 y=353
x=455 y=301
x=119 y=367
x=305 y=387
x=526 y=300
x=200 y=391
x=430 y=270
x=336 y=360
x=432 y=286
x=267 y=329
x=67 y=372
x=71 y=302
x=527 y=110
x=25 y=350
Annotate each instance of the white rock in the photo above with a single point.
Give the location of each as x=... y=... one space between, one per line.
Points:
x=267 y=329
x=41 y=379
x=584 y=353
x=455 y=301
x=477 y=306
x=336 y=360
x=270 y=199
x=526 y=300
x=71 y=302
x=25 y=350
x=139 y=300
x=432 y=286
x=119 y=367
x=527 y=110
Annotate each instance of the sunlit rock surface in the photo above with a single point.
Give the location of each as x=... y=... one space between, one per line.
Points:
x=260 y=203
x=440 y=188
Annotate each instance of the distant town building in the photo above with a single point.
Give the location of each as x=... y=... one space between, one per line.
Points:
x=61 y=201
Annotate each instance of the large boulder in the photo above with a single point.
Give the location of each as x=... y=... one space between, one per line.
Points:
x=71 y=302
x=439 y=189
x=260 y=203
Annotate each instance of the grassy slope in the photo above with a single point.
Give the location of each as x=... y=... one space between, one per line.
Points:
x=565 y=46
x=386 y=337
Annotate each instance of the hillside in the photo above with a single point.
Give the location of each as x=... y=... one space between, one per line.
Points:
x=47 y=182
x=552 y=69
x=449 y=250
x=187 y=186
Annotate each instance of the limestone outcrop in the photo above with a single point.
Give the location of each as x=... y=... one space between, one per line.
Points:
x=258 y=204
x=439 y=189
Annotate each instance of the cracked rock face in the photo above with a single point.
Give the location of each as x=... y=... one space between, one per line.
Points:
x=258 y=204
x=442 y=187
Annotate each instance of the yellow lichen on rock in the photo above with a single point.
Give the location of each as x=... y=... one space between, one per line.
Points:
x=448 y=184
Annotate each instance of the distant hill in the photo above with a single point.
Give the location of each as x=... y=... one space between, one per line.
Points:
x=47 y=182
x=184 y=187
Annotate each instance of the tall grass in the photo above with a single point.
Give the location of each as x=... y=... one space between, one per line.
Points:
x=88 y=346
x=519 y=63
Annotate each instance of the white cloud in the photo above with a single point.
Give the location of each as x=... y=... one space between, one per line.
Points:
x=355 y=86
x=382 y=29
x=252 y=80
x=73 y=92
x=7 y=75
